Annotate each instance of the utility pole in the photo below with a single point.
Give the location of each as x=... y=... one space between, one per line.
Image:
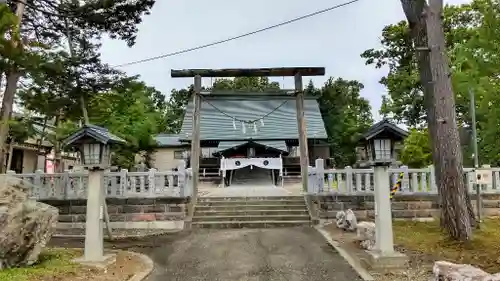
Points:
x=479 y=201
x=12 y=76
x=426 y=24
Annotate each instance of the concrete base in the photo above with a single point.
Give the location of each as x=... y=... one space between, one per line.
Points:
x=395 y=260
x=106 y=261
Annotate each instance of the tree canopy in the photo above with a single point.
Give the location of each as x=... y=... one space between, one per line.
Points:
x=62 y=75
x=473 y=51
x=346 y=115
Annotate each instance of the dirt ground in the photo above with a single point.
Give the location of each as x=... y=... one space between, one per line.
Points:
x=420 y=267
x=125 y=267
x=58 y=266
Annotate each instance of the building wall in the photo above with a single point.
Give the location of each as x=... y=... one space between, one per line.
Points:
x=316 y=152
x=163 y=159
x=30 y=159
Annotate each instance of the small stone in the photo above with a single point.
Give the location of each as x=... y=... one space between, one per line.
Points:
x=25 y=226
x=346 y=220
x=366 y=234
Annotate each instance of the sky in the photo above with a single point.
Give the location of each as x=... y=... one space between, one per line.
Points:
x=333 y=40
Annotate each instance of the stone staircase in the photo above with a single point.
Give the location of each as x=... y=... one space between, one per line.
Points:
x=250 y=212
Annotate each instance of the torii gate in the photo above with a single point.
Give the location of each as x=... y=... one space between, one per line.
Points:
x=297 y=72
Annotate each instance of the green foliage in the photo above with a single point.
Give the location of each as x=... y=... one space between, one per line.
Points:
x=250 y=84
x=417 y=151
x=132 y=111
x=346 y=116
x=20 y=129
x=472 y=45
x=175 y=108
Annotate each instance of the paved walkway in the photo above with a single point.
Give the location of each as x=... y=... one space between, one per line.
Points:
x=245 y=191
x=248 y=190
x=288 y=254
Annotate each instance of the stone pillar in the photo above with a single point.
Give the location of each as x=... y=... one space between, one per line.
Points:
x=384 y=256
x=384 y=237
x=94 y=248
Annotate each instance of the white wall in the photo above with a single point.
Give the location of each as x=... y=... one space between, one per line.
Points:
x=163 y=159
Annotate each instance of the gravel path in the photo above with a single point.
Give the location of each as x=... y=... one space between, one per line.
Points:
x=290 y=254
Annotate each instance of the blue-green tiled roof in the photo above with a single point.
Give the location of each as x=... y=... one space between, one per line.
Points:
x=96 y=132
x=165 y=140
x=280 y=124
x=281 y=145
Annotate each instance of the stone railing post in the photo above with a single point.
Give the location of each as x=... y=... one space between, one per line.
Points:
x=311 y=174
x=64 y=186
x=405 y=181
x=188 y=183
x=151 y=181
x=37 y=185
x=123 y=182
x=319 y=164
x=432 y=178
x=10 y=178
x=180 y=177
x=349 y=188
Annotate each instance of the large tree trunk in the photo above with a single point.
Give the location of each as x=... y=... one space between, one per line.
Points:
x=7 y=102
x=426 y=26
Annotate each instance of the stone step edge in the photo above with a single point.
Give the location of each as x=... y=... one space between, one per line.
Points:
x=249 y=211
x=251 y=222
x=234 y=202
x=252 y=216
x=261 y=207
x=283 y=197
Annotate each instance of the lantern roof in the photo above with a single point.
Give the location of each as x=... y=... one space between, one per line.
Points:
x=385 y=128
x=97 y=133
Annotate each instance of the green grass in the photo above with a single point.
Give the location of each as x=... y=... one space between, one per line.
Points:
x=52 y=262
x=428 y=238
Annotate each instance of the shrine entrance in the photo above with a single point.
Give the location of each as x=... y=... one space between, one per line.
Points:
x=252 y=171
x=195 y=135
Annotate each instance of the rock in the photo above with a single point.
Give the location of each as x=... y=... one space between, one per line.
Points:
x=351 y=221
x=340 y=219
x=447 y=271
x=25 y=226
x=366 y=234
x=346 y=220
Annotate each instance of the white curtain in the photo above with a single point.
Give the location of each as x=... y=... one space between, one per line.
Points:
x=238 y=163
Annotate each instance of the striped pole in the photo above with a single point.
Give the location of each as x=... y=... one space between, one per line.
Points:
x=397 y=185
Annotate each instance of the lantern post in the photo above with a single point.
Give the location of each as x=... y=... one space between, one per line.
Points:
x=94 y=145
x=381 y=158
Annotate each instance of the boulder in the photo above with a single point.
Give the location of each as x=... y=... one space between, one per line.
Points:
x=447 y=271
x=25 y=226
x=346 y=220
x=366 y=234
